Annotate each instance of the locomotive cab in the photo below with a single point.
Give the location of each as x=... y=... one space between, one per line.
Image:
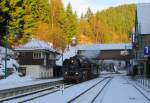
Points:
x=78 y=69
x=71 y=70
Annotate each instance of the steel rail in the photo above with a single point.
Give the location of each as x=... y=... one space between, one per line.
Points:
x=12 y=93
x=86 y=90
x=101 y=90
x=43 y=95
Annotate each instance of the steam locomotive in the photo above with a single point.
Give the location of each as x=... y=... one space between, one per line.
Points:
x=79 y=68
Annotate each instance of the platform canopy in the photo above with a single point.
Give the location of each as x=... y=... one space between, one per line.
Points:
x=106 y=51
x=105 y=46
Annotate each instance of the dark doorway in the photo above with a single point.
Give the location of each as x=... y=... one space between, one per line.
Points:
x=148 y=67
x=57 y=71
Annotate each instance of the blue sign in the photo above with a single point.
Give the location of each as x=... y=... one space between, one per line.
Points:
x=147 y=50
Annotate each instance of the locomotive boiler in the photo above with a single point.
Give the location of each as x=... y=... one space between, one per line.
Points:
x=79 y=68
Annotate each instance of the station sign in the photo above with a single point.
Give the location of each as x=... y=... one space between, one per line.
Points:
x=147 y=50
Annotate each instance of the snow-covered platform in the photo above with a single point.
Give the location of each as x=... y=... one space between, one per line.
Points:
x=15 y=81
x=119 y=90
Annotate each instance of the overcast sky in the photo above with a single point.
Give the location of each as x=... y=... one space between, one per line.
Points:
x=80 y=6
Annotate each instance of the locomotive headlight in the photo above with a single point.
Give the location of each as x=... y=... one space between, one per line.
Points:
x=66 y=73
x=77 y=73
x=72 y=61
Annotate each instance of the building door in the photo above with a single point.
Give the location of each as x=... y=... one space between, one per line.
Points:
x=148 y=67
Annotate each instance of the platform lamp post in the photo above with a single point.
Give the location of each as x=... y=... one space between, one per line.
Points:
x=5 y=57
x=6 y=42
x=5 y=21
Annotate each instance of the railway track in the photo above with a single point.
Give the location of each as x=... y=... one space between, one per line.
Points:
x=14 y=93
x=31 y=96
x=96 y=89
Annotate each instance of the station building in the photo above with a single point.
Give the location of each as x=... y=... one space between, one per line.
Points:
x=141 y=39
x=37 y=59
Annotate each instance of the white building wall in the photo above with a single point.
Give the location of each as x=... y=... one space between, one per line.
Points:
x=37 y=71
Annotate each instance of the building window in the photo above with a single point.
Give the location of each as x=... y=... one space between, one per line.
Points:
x=37 y=55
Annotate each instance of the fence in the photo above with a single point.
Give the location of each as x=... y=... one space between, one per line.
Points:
x=143 y=82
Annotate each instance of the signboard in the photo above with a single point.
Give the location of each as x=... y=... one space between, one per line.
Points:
x=147 y=50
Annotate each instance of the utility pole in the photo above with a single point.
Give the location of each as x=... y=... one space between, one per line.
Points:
x=6 y=49
x=6 y=42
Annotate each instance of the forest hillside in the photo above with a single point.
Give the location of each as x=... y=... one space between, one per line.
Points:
x=112 y=25
x=21 y=20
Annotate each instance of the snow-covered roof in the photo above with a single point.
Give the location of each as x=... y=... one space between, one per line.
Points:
x=104 y=46
x=143 y=18
x=35 y=44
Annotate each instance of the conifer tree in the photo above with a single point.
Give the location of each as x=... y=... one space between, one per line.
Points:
x=14 y=12
x=57 y=17
x=88 y=14
x=71 y=24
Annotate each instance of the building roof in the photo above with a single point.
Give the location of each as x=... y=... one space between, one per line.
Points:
x=143 y=18
x=95 y=49
x=35 y=44
x=105 y=46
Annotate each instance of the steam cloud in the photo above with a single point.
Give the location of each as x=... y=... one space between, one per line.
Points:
x=89 y=53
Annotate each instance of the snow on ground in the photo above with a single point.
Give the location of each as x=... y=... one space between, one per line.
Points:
x=68 y=94
x=110 y=74
x=1 y=72
x=91 y=93
x=11 y=63
x=123 y=71
x=121 y=91
x=144 y=90
x=14 y=80
x=106 y=72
